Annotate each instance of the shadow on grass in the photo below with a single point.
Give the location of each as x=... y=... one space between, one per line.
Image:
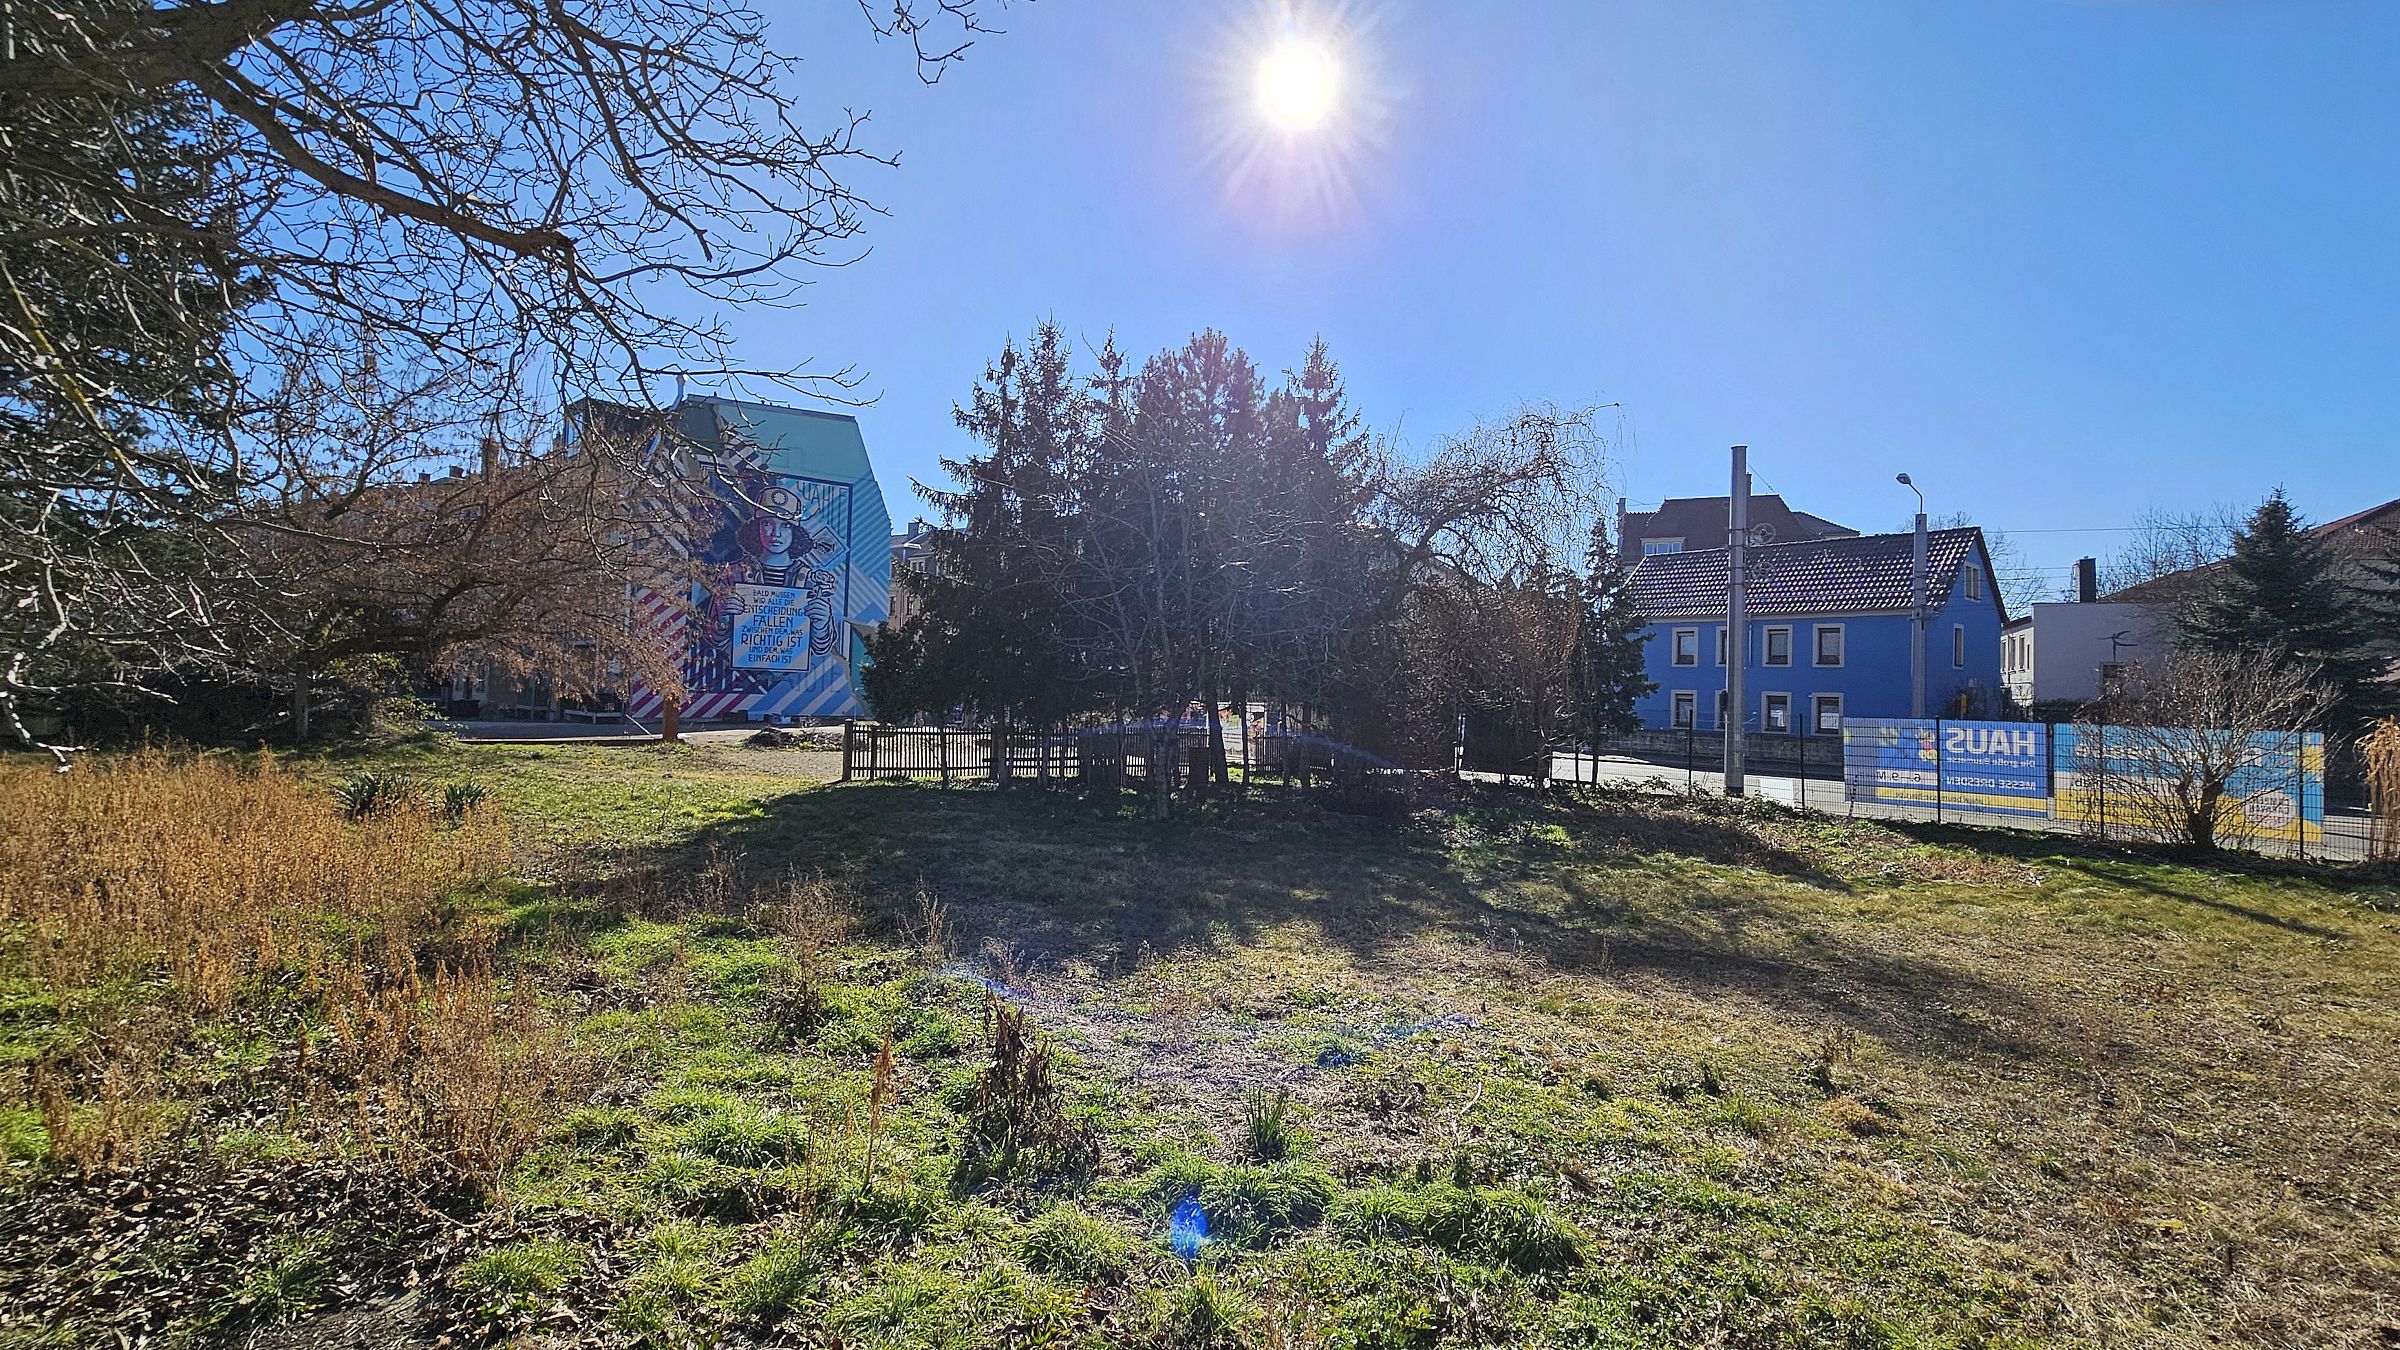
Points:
x=1061 y=878
x=2133 y=878
x=2122 y=863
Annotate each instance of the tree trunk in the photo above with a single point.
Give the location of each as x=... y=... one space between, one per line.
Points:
x=670 y=727
x=1212 y=761
x=300 y=708
x=2201 y=824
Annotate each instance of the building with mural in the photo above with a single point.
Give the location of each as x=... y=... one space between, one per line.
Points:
x=790 y=564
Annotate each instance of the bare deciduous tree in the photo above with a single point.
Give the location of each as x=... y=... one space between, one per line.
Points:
x=2172 y=544
x=2196 y=750
x=506 y=201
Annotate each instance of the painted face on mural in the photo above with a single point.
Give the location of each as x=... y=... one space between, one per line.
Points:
x=775 y=536
x=774 y=530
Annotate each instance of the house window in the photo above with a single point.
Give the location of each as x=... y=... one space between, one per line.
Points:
x=1722 y=630
x=1776 y=710
x=1958 y=646
x=1974 y=582
x=1685 y=703
x=1829 y=644
x=1779 y=646
x=1687 y=646
x=1825 y=717
x=1653 y=547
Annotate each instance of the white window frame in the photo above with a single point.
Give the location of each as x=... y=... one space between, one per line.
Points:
x=1675 y=647
x=1766 y=645
x=1663 y=544
x=1958 y=646
x=1841 y=644
x=1974 y=582
x=1683 y=710
x=1766 y=718
x=1816 y=714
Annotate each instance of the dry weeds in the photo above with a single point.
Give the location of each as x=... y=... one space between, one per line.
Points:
x=149 y=897
x=204 y=872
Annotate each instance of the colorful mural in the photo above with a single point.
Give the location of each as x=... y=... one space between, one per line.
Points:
x=792 y=571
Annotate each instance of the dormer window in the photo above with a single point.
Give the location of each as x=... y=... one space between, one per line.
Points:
x=1652 y=547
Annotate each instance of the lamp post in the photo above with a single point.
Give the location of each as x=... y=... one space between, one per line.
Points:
x=1916 y=609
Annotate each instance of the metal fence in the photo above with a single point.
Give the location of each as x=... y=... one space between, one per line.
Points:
x=2275 y=806
x=1142 y=756
x=1837 y=776
x=957 y=754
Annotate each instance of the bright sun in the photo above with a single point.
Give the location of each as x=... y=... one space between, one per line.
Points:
x=1297 y=83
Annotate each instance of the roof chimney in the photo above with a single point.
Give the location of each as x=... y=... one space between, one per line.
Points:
x=491 y=456
x=2087 y=580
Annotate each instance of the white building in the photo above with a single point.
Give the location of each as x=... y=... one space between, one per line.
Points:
x=2069 y=653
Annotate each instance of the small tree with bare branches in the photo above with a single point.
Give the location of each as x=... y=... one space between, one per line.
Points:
x=2194 y=751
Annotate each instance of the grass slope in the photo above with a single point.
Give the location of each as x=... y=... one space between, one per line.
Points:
x=1602 y=1071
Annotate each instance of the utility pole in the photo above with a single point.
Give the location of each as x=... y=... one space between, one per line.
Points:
x=1737 y=538
x=1916 y=610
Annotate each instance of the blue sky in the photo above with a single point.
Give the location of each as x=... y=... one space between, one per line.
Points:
x=2060 y=261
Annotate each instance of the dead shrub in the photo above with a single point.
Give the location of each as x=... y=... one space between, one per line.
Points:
x=450 y=1069
x=100 y=1101
x=813 y=922
x=1015 y=1121
x=932 y=932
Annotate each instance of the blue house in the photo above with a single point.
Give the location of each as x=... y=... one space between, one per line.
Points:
x=1828 y=633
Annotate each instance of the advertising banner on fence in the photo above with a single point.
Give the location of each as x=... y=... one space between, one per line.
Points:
x=2276 y=790
x=2001 y=768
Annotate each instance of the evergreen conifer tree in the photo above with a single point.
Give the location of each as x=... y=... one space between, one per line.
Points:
x=992 y=636
x=2279 y=592
x=1609 y=670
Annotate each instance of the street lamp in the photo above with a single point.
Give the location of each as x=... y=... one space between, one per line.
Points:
x=1916 y=603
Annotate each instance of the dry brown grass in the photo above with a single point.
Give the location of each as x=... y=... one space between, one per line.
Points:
x=147 y=897
x=201 y=873
x=2382 y=752
x=449 y=1067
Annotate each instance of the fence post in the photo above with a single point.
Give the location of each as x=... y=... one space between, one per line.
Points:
x=849 y=730
x=944 y=753
x=2299 y=795
x=1938 y=769
x=2100 y=777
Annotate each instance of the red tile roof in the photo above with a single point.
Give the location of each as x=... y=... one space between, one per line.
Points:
x=1869 y=574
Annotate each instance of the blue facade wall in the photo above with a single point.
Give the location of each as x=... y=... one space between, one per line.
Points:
x=1872 y=681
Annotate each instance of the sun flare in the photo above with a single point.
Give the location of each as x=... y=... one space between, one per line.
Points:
x=1297 y=84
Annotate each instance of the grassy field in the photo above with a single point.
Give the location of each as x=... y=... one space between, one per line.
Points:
x=684 y=1047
